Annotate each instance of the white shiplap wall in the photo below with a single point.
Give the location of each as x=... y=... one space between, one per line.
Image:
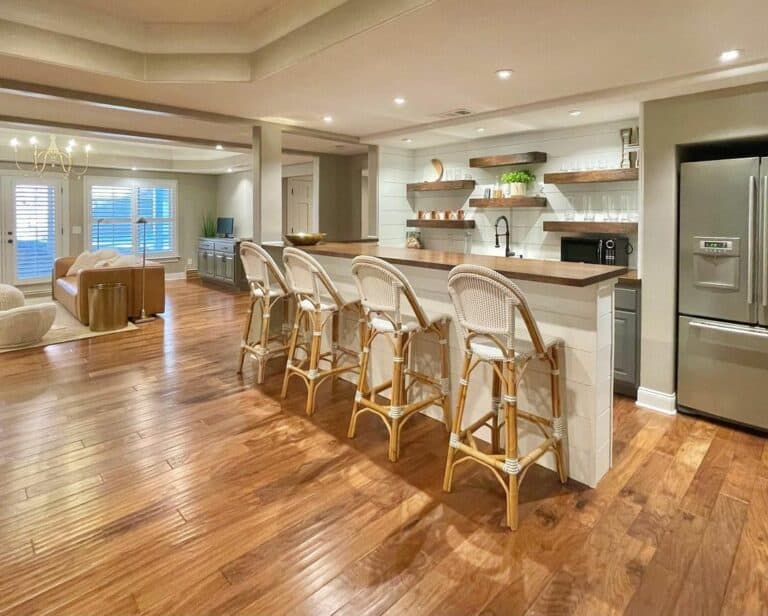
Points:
x=586 y=143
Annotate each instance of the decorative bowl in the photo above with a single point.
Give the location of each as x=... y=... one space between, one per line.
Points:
x=304 y=239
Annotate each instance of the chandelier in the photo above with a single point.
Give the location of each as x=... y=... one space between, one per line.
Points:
x=51 y=158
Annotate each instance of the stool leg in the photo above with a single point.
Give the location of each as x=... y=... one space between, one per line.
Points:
x=460 y=403
x=314 y=360
x=362 y=383
x=335 y=346
x=291 y=351
x=264 y=342
x=284 y=336
x=445 y=374
x=496 y=404
x=396 y=401
x=510 y=413
x=557 y=412
x=246 y=335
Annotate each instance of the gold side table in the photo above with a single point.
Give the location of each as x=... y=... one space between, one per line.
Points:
x=107 y=306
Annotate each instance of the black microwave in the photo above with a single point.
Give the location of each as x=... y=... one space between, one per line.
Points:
x=605 y=250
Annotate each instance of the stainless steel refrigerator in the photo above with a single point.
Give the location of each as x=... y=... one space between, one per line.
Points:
x=722 y=361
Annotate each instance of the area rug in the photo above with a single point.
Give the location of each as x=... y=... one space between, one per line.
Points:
x=66 y=328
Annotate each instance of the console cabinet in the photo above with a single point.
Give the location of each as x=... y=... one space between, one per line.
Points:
x=218 y=260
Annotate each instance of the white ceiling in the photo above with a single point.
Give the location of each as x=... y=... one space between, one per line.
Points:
x=604 y=56
x=179 y=11
x=127 y=153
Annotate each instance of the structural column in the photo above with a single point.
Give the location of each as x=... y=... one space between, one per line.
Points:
x=267 y=183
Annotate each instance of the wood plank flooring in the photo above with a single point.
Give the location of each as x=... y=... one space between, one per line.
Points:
x=140 y=475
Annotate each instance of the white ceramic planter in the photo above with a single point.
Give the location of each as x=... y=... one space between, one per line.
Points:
x=518 y=189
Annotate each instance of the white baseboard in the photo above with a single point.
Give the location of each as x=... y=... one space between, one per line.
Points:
x=657 y=401
x=176 y=276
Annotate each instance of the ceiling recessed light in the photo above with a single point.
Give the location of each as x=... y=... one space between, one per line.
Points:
x=327 y=119
x=133 y=168
x=14 y=142
x=504 y=73
x=229 y=169
x=399 y=100
x=730 y=55
x=480 y=130
x=407 y=140
x=575 y=113
x=219 y=146
x=33 y=141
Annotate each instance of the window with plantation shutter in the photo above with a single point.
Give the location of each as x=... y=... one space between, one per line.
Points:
x=113 y=206
x=35 y=222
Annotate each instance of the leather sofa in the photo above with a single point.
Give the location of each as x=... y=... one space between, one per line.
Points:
x=72 y=291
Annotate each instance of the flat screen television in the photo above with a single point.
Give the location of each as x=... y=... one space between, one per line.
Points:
x=225 y=227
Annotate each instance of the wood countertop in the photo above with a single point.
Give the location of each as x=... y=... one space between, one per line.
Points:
x=552 y=272
x=630 y=279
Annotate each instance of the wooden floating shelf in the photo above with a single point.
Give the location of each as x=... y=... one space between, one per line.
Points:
x=579 y=226
x=506 y=202
x=596 y=175
x=440 y=224
x=505 y=160
x=452 y=185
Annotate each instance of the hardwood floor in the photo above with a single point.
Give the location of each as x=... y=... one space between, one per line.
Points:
x=140 y=475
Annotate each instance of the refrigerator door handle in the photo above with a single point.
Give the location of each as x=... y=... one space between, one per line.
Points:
x=750 y=242
x=742 y=331
x=764 y=246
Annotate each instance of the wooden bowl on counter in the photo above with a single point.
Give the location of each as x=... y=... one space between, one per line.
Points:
x=304 y=239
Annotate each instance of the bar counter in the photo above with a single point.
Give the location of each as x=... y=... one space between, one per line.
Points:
x=569 y=300
x=539 y=270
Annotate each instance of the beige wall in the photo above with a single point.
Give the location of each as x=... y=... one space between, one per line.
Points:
x=234 y=199
x=340 y=195
x=723 y=114
x=196 y=196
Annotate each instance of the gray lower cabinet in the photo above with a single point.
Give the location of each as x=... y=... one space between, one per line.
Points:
x=218 y=260
x=626 y=340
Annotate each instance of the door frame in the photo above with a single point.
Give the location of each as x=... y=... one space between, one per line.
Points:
x=8 y=179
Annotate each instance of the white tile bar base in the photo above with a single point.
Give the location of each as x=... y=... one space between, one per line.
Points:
x=581 y=316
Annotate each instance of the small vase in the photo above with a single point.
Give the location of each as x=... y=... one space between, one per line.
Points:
x=517 y=189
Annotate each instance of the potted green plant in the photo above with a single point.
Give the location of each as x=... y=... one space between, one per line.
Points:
x=516 y=182
x=209 y=226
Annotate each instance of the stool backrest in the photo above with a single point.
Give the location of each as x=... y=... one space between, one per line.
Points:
x=382 y=287
x=260 y=268
x=308 y=279
x=486 y=302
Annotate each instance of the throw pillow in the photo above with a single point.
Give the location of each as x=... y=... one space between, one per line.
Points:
x=88 y=260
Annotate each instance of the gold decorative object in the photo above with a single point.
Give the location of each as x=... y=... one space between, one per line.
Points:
x=438 y=168
x=304 y=239
x=52 y=158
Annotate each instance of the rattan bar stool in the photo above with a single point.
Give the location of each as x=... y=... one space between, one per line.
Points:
x=318 y=303
x=486 y=303
x=268 y=288
x=384 y=290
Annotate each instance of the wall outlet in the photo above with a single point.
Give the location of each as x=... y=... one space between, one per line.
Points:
x=189 y=261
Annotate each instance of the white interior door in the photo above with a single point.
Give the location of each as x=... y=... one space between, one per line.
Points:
x=299 y=215
x=33 y=229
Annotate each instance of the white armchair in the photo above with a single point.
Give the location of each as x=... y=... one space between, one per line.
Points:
x=22 y=325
